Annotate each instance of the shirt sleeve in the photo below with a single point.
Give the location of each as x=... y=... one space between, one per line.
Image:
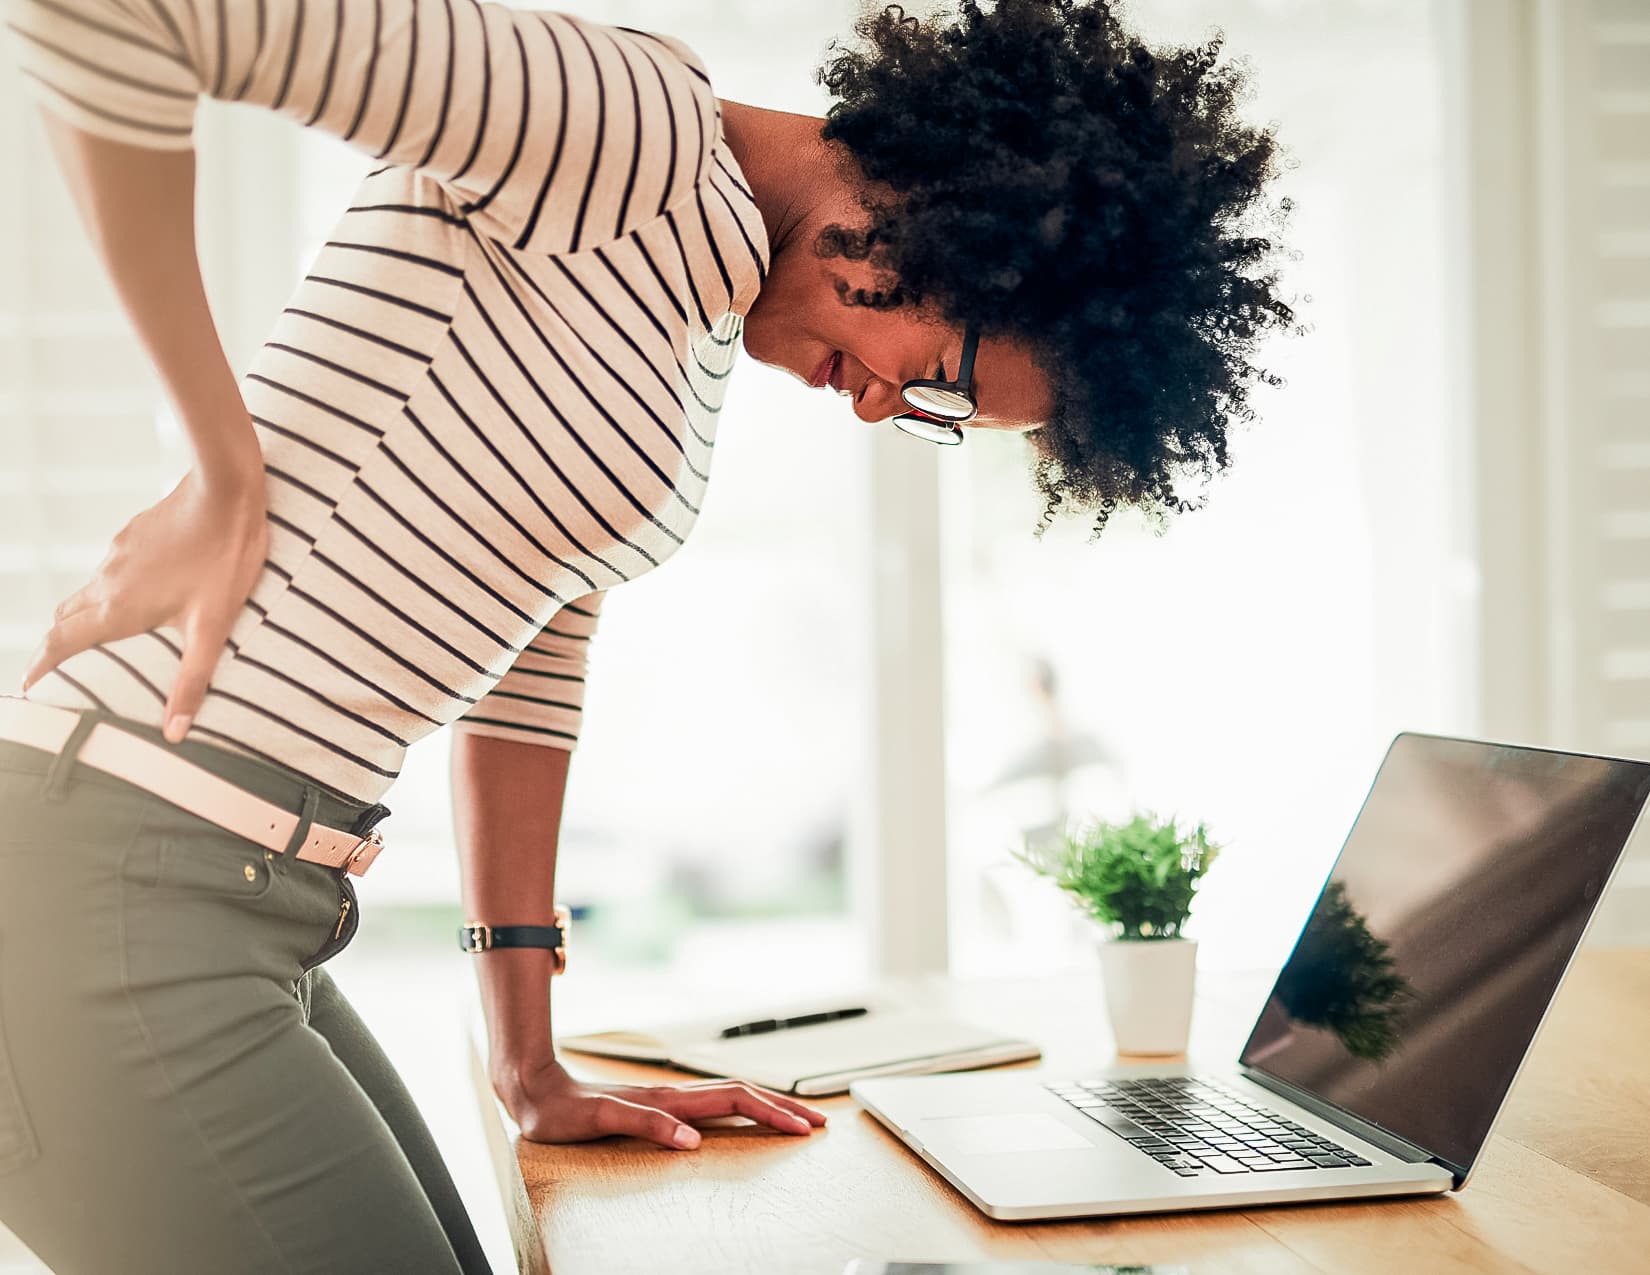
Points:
x=552 y=133
x=541 y=699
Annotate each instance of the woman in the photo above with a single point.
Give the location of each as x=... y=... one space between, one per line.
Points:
x=493 y=398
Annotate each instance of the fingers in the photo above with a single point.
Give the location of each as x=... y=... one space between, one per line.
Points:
x=813 y=1117
x=660 y=1114
x=203 y=642
x=47 y=655
x=738 y=1100
x=69 y=636
x=86 y=595
x=615 y=1115
x=790 y=1104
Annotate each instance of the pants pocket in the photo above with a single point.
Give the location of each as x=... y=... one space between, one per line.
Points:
x=18 y=1145
x=191 y=857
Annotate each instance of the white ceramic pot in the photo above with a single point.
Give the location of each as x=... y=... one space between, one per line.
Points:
x=1148 y=986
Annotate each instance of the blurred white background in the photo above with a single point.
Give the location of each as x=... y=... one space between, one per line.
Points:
x=813 y=739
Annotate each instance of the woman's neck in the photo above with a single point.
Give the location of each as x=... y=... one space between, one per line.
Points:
x=792 y=173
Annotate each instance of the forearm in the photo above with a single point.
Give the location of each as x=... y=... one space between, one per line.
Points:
x=507 y=805
x=138 y=206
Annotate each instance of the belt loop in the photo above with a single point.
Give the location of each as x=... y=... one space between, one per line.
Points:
x=62 y=767
x=306 y=820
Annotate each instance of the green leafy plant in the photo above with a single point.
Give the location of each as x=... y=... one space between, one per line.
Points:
x=1138 y=877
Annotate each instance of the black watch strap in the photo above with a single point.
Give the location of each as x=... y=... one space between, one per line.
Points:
x=476 y=937
x=481 y=938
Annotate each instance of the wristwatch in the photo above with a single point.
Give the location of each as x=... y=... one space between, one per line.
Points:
x=474 y=937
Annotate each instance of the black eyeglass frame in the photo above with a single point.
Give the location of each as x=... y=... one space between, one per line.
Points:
x=926 y=424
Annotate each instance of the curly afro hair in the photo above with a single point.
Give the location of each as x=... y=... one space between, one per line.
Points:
x=1035 y=168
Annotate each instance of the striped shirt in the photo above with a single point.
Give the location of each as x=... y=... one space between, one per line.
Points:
x=495 y=394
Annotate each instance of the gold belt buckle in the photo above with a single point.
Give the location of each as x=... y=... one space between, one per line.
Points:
x=366 y=850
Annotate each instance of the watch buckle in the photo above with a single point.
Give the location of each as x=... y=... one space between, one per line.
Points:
x=561 y=918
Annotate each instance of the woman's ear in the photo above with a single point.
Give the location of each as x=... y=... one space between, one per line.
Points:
x=1037 y=440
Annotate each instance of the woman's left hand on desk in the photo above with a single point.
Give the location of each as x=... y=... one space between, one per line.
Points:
x=551 y=1106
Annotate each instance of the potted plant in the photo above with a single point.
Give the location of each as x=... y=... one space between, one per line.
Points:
x=1137 y=879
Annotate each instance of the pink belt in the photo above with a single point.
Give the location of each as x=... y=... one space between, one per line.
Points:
x=156 y=769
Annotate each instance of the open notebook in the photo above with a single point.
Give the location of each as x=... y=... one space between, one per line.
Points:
x=819 y=1058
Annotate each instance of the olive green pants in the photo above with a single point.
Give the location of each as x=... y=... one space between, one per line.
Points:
x=183 y=1088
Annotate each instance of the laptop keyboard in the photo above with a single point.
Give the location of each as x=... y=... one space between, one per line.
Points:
x=1195 y=1127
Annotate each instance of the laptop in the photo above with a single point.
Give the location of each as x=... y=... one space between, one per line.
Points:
x=1390 y=1040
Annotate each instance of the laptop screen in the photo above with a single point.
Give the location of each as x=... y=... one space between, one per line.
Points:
x=1420 y=979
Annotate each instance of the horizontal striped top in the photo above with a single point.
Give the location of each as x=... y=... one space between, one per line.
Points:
x=495 y=394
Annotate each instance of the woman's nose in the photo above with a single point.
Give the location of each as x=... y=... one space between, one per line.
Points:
x=880 y=402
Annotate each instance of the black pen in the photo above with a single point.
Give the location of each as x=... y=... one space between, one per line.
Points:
x=763 y=1025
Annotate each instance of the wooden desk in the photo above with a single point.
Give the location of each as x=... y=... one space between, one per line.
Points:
x=1564 y=1185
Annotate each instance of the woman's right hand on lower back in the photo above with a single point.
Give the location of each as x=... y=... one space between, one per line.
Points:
x=191 y=560
x=188 y=562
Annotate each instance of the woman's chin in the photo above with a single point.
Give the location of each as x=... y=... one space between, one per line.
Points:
x=774 y=359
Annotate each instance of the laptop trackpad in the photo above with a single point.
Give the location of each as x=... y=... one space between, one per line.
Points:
x=1013 y=1131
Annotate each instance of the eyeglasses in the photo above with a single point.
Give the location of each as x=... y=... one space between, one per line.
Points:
x=940 y=406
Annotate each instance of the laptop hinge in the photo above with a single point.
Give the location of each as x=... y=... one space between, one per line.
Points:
x=1384 y=1138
